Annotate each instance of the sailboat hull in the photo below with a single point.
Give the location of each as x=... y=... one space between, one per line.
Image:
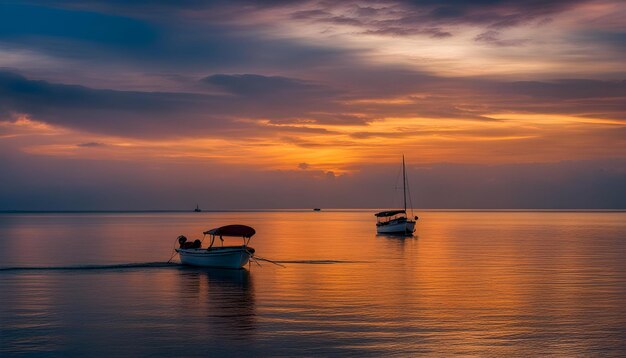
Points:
x=401 y=228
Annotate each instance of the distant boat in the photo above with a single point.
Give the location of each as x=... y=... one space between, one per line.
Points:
x=317 y=209
x=232 y=257
x=197 y=209
x=396 y=221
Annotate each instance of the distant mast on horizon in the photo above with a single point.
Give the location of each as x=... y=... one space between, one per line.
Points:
x=197 y=209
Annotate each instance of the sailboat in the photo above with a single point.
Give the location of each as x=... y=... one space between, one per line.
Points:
x=197 y=209
x=396 y=221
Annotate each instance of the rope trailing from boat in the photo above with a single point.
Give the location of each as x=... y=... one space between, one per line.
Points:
x=255 y=258
x=270 y=261
x=174 y=249
x=172 y=257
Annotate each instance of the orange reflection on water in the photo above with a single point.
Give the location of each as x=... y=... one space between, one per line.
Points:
x=472 y=283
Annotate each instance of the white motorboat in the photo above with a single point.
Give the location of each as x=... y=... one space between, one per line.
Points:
x=396 y=221
x=233 y=257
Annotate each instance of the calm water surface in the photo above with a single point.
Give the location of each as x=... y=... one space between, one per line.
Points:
x=471 y=283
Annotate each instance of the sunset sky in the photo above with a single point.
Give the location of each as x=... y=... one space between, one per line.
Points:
x=298 y=104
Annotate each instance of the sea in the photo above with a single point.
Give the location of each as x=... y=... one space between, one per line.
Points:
x=470 y=283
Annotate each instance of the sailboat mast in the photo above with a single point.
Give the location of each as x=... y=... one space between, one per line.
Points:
x=404 y=182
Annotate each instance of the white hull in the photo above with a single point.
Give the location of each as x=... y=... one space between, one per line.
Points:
x=227 y=257
x=405 y=228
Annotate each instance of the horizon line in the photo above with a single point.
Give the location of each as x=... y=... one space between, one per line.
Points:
x=312 y=210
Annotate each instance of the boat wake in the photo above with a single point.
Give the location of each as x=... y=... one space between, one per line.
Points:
x=91 y=267
x=319 y=262
x=139 y=265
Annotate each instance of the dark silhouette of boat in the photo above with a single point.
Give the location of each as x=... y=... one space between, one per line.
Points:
x=233 y=257
x=197 y=209
x=396 y=221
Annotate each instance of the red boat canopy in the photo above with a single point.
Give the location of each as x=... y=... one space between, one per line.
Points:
x=389 y=213
x=232 y=230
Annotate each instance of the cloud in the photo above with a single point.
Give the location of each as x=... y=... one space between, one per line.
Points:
x=567 y=89
x=433 y=32
x=258 y=85
x=99 y=110
x=279 y=100
x=161 y=113
x=90 y=144
x=430 y=18
x=142 y=45
x=23 y=22
x=95 y=41
x=261 y=105
x=492 y=37
x=499 y=12
x=491 y=13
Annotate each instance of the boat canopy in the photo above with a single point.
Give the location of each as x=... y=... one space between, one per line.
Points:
x=232 y=230
x=383 y=214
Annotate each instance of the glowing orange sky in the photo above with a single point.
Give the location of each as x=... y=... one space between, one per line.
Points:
x=518 y=137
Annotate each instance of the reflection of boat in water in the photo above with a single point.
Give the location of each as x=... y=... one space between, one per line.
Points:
x=396 y=221
x=233 y=257
x=222 y=300
x=197 y=209
x=398 y=237
x=220 y=277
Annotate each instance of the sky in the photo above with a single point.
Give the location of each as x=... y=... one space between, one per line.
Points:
x=241 y=104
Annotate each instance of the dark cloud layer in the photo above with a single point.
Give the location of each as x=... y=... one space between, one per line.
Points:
x=258 y=85
x=23 y=21
x=492 y=37
x=286 y=100
x=493 y=13
x=408 y=16
x=121 y=36
x=137 y=114
x=90 y=144
x=432 y=18
x=145 y=29
x=95 y=110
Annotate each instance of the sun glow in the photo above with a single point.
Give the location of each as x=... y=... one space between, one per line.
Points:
x=339 y=148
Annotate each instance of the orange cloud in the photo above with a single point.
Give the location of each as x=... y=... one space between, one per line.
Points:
x=343 y=148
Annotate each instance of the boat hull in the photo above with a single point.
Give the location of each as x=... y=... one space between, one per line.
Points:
x=232 y=258
x=401 y=228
